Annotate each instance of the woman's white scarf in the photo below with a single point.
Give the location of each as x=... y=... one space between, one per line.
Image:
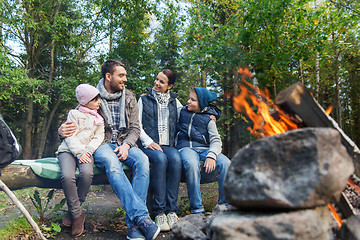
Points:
x=163 y=115
x=105 y=95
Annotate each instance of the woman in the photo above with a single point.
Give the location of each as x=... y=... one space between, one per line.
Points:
x=158 y=113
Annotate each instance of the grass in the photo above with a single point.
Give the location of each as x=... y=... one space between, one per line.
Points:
x=209 y=193
x=16 y=227
x=107 y=221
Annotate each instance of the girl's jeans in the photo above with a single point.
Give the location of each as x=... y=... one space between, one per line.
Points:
x=75 y=193
x=191 y=158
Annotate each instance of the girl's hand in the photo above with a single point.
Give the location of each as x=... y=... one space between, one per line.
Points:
x=154 y=146
x=85 y=158
x=209 y=165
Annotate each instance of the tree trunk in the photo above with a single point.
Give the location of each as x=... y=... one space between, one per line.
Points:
x=47 y=119
x=27 y=130
x=317 y=75
x=203 y=78
x=45 y=131
x=337 y=83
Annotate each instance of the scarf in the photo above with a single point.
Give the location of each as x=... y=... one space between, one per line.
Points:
x=161 y=97
x=105 y=95
x=163 y=115
x=98 y=119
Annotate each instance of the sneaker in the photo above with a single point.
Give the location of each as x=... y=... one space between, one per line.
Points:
x=67 y=220
x=161 y=221
x=148 y=227
x=135 y=233
x=78 y=226
x=172 y=218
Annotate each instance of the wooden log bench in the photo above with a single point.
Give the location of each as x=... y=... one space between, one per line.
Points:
x=17 y=176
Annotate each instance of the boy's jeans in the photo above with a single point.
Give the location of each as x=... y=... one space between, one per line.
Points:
x=191 y=158
x=165 y=178
x=132 y=196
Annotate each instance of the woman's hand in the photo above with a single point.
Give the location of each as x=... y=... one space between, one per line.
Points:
x=67 y=129
x=154 y=146
x=85 y=158
x=209 y=165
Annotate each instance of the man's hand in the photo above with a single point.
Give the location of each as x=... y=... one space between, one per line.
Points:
x=123 y=151
x=85 y=158
x=67 y=129
x=155 y=146
x=209 y=165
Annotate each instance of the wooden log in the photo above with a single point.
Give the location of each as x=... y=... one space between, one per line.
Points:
x=297 y=101
x=19 y=176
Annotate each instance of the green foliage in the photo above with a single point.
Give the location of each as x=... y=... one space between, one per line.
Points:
x=203 y=41
x=45 y=210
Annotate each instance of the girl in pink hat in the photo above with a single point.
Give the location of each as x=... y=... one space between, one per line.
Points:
x=77 y=152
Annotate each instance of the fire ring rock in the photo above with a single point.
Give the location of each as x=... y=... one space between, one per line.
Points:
x=302 y=168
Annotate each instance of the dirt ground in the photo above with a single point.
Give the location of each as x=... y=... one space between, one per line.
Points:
x=104 y=220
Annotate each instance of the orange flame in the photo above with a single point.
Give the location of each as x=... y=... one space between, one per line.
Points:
x=328 y=111
x=336 y=216
x=264 y=122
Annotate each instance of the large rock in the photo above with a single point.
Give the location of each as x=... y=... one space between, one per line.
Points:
x=310 y=224
x=192 y=227
x=350 y=229
x=302 y=168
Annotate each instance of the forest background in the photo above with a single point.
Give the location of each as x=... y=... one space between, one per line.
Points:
x=48 y=47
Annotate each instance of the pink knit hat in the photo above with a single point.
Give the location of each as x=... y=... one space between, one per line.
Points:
x=85 y=93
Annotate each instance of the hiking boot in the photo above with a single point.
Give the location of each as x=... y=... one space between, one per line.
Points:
x=78 y=226
x=67 y=220
x=135 y=233
x=172 y=218
x=161 y=221
x=148 y=227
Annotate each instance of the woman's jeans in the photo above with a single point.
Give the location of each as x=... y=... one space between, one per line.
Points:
x=191 y=158
x=132 y=196
x=75 y=191
x=165 y=177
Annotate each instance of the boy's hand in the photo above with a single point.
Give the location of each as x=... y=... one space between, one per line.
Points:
x=85 y=158
x=123 y=151
x=155 y=146
x=212 y=117
x=67 y=129
x=209 y=165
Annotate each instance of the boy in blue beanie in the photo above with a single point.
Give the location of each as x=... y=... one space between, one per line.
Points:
x=198 y=140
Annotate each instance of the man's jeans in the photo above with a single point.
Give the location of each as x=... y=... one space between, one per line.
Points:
x=132 y=196
x=164 y=178
x=191 y=158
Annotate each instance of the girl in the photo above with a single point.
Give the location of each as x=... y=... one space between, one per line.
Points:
x=77 y=151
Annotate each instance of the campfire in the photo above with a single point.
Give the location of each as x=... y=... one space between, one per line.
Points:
x=294 y=108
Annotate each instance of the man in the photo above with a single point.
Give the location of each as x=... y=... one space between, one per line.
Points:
x=120 y=112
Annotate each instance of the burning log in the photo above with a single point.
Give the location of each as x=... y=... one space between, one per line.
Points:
x=297 y=101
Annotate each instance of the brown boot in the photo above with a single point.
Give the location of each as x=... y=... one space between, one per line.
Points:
x=78 y=226
x=67 y=220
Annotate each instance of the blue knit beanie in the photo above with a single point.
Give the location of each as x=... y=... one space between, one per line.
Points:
x=205 y=97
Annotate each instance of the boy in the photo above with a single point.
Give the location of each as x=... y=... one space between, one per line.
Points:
x=198 y=140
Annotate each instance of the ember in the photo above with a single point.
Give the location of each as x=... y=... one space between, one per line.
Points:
x=336 y=215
